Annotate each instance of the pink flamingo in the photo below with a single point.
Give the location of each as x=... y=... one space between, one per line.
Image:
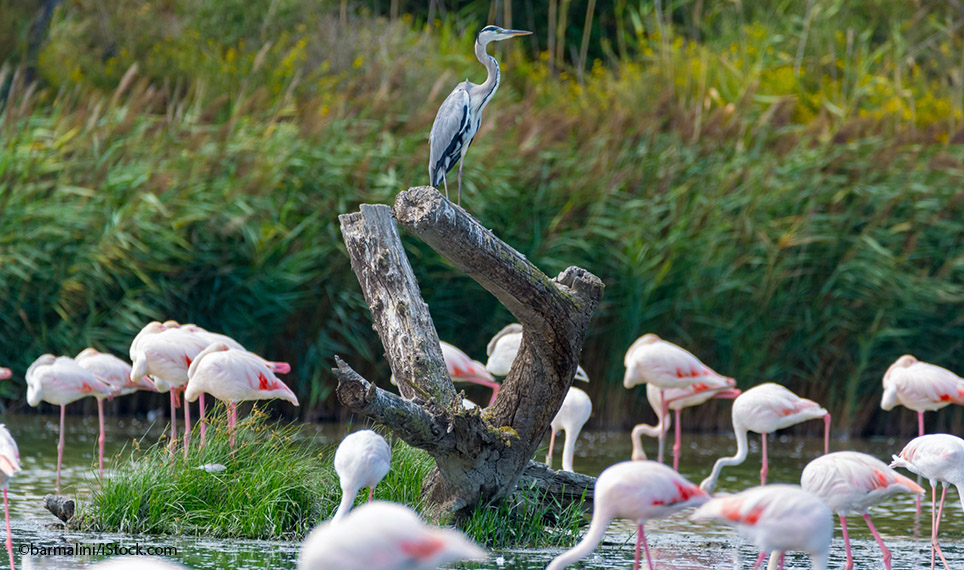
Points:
x=165 y=353
x=60 y=381
x=5 y=373
x=211 y=338
x=384 y=536
x=117 y=374
x=652 y=360
x=679 y=398
x=850 y=483
x=9 y=466
x=362 y=460
x=233 y=375
x=938 y=457
x=574 y=413
x=634 y=490
x=776 y=518
x=764 y=409
x=920 y=386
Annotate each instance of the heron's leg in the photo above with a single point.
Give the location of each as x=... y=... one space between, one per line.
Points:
x=461 y=162
x=765 y=469
x=445 y=182
x=846 y=542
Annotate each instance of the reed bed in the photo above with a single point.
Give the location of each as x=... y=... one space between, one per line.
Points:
x=776 y=186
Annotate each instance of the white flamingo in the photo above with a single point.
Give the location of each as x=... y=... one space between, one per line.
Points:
x=60 y=381
x=939 y=458
x=851 y=482
x=9 y=466
x=921 y=387
x=652 y=360
x=765 y=409
x=777 y=518
x=384 y=536
x=233 y=375
x=574 y=413
x=634 y=490
x=362 y=460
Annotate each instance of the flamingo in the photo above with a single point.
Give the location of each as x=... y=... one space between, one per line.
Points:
x=461 y=368
x=117 y=374
x=764 y=409
x=384 y=536
x=635 y=490
x=851 y=482
x=210 y=338
x=232 y=375
x=60 y=381
x=362 y=460
x=679 y=398
x=575 y=411
x=652 y=360
x=165 y=353
x=9 y=466
x=503 y=348
x=5 y=373
x=921 y=387
x=940 y=458
x=776 y=518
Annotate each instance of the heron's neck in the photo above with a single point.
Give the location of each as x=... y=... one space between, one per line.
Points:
x=482 y=93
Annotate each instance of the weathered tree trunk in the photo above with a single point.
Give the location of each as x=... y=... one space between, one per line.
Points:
x=479 y=455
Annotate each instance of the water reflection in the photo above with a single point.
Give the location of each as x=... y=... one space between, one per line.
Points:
x=674 y=542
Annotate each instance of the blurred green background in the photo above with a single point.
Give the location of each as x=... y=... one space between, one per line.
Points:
x=777 y=186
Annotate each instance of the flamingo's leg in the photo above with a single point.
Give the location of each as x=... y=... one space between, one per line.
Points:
x=664 y=411
x=765 y=469
x=60 y=445
x=846 y=542
x=759 y=559
x=371 y=494
x=6 y=516
x=100 y=440
x=880 y=541
x=678 y=442
x=173 y=419
x=232 y=418
x=200 y=417
x=826 y=434
x=187 y=427
x=552 y=443
x=642 y=536
x=935 y=546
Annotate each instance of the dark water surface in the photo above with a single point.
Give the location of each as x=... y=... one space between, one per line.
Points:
x=675 y=542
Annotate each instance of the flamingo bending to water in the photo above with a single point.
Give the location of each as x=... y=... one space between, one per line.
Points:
x=776 y=518
x=938 y=457
x=634 y=490
x=362 y=460
x=851 y=482
x=678 y=398
x=232 y=375
x=652 y=360
x=60 y=381
x=574 y=413
x=384 y=536
x=764 y=409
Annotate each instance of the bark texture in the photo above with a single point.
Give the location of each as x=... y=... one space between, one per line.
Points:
x=479 y=455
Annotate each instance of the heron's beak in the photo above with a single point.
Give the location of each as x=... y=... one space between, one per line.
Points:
x=514 y=33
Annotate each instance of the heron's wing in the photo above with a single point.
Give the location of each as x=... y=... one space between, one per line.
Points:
x=446 y=139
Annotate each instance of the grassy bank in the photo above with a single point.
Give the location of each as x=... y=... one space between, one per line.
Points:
x=277 y=485
x=777 y=188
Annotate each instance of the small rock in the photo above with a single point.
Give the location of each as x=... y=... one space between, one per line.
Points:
x=62 y=507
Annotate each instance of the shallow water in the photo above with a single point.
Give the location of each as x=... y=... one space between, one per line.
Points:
x=675 y=543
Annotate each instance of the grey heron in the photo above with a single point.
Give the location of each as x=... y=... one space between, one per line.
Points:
x=459 y=117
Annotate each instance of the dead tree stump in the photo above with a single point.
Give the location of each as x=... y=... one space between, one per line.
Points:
x=479 y=455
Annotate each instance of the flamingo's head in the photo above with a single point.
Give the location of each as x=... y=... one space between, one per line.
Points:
x=5 y=373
